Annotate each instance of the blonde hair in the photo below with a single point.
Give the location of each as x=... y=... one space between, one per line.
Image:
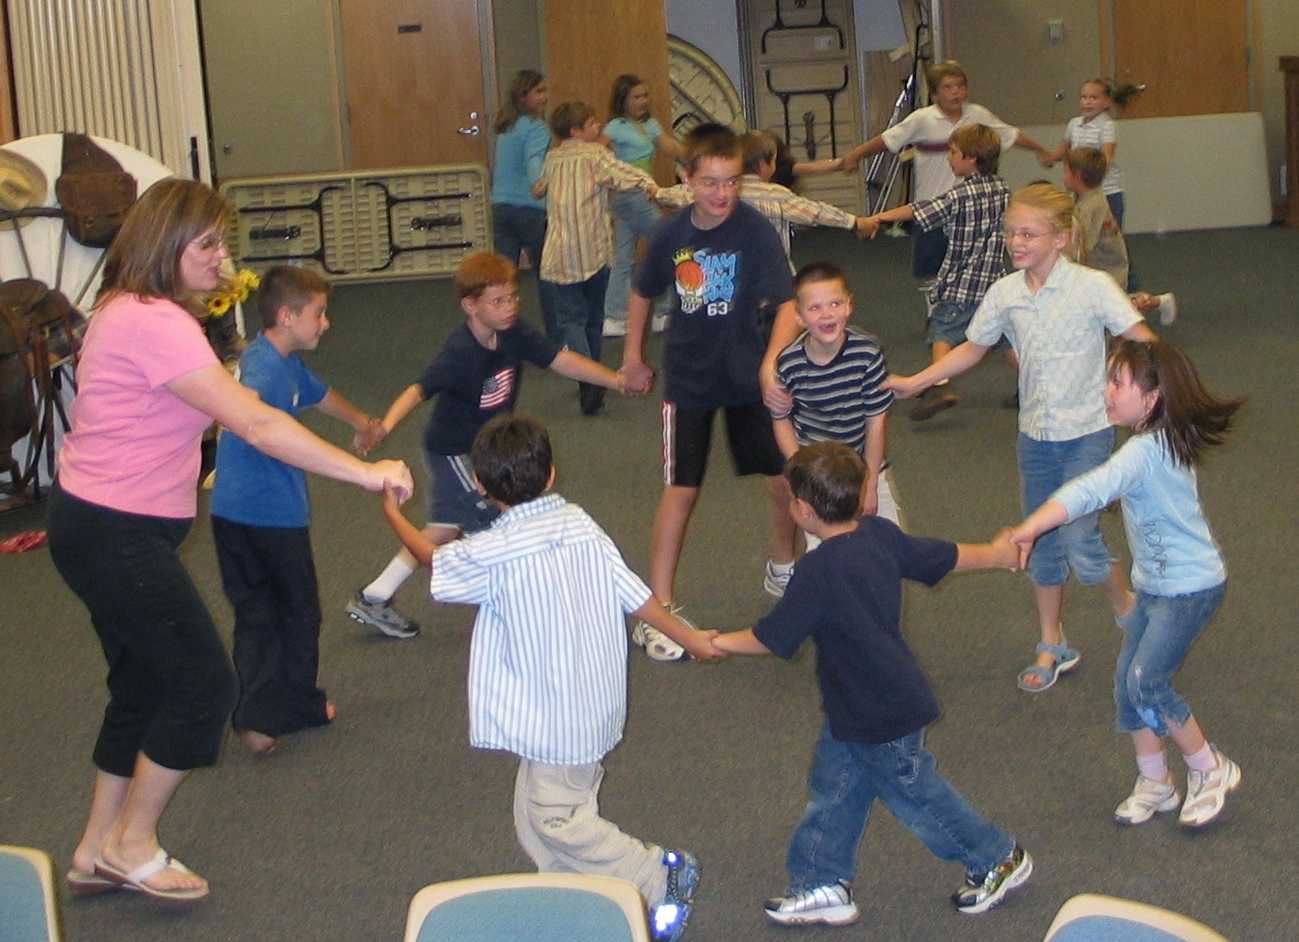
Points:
x=144 y=258
x=1048 y=199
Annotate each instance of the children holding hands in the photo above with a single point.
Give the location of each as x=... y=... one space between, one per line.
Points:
x=1055 y=315
x=548 y=666
x=260 y=512
x=971 y=217
x=846 y=594
x=475 y=376
x=1177 y=570
x=578 y=175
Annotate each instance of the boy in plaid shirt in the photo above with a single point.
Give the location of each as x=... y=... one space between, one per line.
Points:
x=971 y=214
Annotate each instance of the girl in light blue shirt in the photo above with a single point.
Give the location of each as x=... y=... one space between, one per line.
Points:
x=635 y=136
x=519 y=216
x=1177 y=571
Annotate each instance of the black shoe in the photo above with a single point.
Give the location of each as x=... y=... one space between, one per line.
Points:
x=927 y=408
x=591 y=398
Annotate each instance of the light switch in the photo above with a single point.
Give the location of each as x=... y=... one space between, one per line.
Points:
x=1055 y=30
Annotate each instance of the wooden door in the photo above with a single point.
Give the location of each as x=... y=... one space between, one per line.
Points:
x=414 y=82
x=1190 y=54
x=271 y=113
x=587 y=47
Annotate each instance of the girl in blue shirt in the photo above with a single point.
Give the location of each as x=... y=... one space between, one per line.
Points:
x=522 y=139
x=634 y=136
x=1177 y=571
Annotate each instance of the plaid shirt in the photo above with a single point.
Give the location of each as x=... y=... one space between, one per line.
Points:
x=578 y=177
x=971 y=214
x=779 y=204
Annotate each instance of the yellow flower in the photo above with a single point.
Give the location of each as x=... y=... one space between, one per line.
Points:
x=218 y=304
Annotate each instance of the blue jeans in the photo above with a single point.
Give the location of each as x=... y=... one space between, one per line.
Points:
x=947 y=322
x=579 y=313
x=515 y=228
x=634 y=217
x=1157 y=633
x=1043 y=468
x=846 y=779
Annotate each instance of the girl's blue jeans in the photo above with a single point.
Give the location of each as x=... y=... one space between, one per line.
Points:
x=634 y=217
x=846 y=779
x=1157 y=633
x=1043 y=468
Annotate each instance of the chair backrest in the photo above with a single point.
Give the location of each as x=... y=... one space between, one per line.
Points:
x=539 y=907
x=1091 y=917
x=28 y=909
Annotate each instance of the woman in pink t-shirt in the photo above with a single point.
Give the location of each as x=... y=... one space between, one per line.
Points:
x=148 y=386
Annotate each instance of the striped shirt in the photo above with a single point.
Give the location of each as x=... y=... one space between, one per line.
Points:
x=548 y=664
x=833 y=402
x=779 y=204
x=1097 y=132
x=1059 y=335
x=578 y=177
x=971 y=214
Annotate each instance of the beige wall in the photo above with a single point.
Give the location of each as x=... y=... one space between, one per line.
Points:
x=1015 y=70
x=1276 y=34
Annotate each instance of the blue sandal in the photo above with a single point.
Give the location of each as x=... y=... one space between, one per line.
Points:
x=1065 y=659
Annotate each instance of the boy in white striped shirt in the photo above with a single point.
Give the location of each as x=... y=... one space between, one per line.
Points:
x=548 y=665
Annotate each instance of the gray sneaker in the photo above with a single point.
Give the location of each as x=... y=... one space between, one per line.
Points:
x=1148 y=798
x=982 y=891
x=380 y=615
x=829 y=905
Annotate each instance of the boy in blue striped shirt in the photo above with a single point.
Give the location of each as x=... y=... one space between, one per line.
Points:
x=548 y=666
x=834 y=374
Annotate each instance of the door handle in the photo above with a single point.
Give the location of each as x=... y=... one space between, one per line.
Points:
x=472 y=131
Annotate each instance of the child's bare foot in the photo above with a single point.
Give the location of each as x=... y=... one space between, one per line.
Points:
x=257 y=743
x=330 y=710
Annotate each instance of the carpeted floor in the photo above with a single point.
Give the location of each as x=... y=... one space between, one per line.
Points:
x=329 y=838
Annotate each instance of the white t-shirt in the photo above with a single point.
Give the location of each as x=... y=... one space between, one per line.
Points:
x=928 y=130
x=1100 y=130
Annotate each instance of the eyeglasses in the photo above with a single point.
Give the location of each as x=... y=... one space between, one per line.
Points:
x=713 y=184
x=1028 y=235
x=503 y=300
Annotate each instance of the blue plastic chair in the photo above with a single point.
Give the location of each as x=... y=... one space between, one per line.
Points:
x=28 y=903
x=539 y=907
x=1091 y=917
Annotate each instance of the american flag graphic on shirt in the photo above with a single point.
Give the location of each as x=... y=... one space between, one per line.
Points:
x=497 y=389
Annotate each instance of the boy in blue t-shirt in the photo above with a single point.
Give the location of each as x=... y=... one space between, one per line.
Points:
x=847 y=596
x=260 y=514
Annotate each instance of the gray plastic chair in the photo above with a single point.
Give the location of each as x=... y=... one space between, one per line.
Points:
x=28 y=902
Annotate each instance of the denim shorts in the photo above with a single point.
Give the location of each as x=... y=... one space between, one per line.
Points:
x=947 y=322
x=1043 y=468
x=454 y=499
x=1157 y=633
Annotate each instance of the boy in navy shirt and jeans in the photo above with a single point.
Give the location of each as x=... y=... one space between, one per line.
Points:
x=847 y=595
x=475 y=376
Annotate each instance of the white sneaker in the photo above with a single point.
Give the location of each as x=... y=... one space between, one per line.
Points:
x=613 y=328
x=775 y=581
x=1167 y=308
x=659 y=322
x=657 y=645
x=1148 y=797
x=830 y=905
x=1206 y=792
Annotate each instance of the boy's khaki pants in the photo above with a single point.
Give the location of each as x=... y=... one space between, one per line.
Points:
x=557 y=818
